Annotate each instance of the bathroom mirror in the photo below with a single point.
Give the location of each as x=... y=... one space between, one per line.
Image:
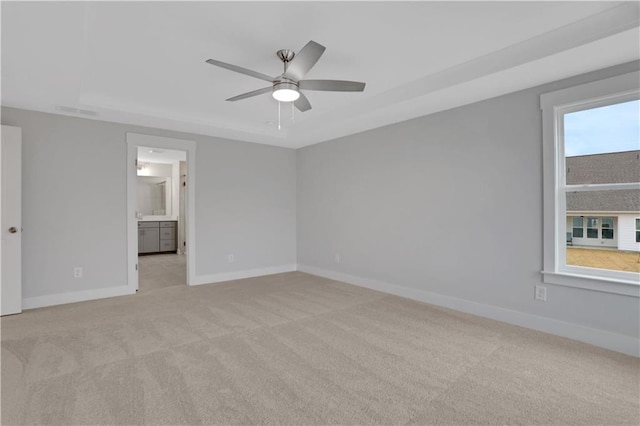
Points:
x=154 y=196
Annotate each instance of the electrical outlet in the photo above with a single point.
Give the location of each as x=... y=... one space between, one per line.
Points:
x=337 y=258
x=77 y=272
x=541 y=293
x=230 y=258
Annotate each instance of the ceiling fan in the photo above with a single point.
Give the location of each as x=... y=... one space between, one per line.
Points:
x=287 y=86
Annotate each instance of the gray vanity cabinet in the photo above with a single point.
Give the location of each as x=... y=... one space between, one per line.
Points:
x=157 y=237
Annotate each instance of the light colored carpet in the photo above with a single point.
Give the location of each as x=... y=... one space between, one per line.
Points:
x=160 y=271
x=297 y=349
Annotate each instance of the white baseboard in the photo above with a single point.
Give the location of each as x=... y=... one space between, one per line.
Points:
x=101 y=293
x=238 y=275
x=75 y=296
x=605 y=339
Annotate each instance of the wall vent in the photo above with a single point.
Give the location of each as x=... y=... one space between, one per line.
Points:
x=87 y=112
x=72 y=110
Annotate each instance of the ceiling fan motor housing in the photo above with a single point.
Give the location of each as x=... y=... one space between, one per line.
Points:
x=285 y=84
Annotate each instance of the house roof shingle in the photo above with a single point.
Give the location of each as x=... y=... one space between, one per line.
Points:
x=615 y=167
x=622 y=200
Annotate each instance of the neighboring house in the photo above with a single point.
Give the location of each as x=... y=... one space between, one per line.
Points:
x=604 y=218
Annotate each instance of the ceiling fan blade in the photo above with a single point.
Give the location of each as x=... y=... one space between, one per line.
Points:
x=241 y=70
x=302 y=103
x=304 y=60
x=332 y=85
x=252 y=93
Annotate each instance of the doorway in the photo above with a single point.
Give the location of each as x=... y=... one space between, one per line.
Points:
x=161 y=247
x=160 y=209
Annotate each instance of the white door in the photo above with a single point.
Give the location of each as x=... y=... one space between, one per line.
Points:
x=11 y=220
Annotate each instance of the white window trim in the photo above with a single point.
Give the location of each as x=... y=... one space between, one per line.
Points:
x=554 y=105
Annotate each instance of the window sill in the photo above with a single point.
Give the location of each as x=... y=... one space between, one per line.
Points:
x=588 y=282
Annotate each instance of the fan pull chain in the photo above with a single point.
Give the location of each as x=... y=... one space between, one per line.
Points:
x=293 y=116
x=279 y=127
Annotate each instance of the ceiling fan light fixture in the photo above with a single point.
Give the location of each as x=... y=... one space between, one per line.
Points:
x=285 y=92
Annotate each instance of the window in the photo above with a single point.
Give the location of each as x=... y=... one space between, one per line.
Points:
x=577 y=227
x=592 y=227
x=591 y=184
x=607 y=228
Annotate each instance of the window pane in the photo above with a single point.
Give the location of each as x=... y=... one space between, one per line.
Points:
x=605 y=241
x=601 y=147
x=601 y=144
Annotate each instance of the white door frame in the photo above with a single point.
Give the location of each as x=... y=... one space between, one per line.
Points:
x=133 y=141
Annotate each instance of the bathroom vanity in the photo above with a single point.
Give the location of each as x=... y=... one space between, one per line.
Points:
x=157 y=236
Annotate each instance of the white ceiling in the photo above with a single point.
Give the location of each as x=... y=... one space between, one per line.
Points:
x=144 y=62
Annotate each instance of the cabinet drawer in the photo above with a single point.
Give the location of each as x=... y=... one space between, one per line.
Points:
x=148 y=224
x=167 y=245
x=167 y=233
x=168 y=224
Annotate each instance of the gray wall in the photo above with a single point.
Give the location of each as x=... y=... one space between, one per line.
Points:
x=245 y=205
x=449 y=203
x=74 y=202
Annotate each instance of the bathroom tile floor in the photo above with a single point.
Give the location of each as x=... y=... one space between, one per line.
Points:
x=161 y=271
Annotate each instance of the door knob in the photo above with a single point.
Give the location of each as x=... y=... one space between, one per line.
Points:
x=13 y=230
